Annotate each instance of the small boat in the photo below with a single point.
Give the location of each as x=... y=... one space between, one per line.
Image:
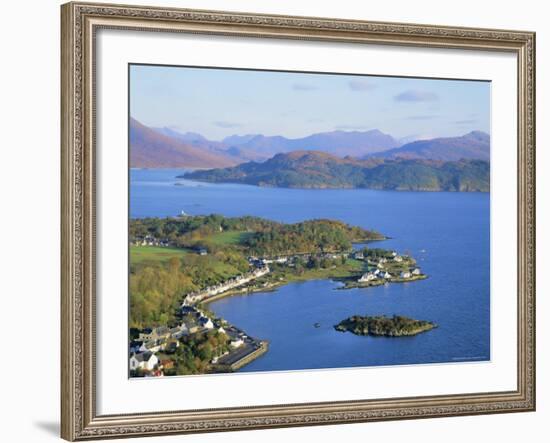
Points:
x=317 y=325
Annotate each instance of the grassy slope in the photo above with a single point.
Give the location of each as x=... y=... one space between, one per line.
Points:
x=350 y=268
x=229 y=237
x=142 y=254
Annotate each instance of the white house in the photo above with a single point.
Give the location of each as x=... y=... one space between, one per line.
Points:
x=386 y=274
x=398 y=258
x=369 y=276
x=236 y=342
x=416 y=271
x=259 y=272
x=405 y=274
x=179 y=331
x=144 y=360
x=206 y=323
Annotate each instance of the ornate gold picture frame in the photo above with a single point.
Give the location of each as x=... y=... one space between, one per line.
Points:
x=80 y=23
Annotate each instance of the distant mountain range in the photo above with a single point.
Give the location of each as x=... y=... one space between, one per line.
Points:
x=154 y=149
x=474 y=145
x=339 y=143
x=167 y=147
x=313 y=169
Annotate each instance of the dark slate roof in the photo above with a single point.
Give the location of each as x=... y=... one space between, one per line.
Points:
x=144 y=356
x=161 y=330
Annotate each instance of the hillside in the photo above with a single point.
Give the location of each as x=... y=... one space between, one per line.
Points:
x=474 y=145
x=235 y=153
x=312 y=169
x=152 y=149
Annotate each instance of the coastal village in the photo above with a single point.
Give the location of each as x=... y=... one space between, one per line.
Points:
x=393 y=269
x=150 y=351
x=164 y=341
x=152 y=342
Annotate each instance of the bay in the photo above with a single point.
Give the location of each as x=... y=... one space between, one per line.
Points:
x=448 y=233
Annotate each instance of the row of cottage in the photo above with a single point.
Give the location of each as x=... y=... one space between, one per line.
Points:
x=149 y=240
x=357 y=255
x=196 y=297
x=381 y=274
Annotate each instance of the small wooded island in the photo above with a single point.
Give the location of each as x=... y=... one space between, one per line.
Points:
x=396 y=326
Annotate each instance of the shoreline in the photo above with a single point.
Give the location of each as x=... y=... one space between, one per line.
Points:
x=328 y=188
x=342 y=280
x=351 y=188
x=374 y=283
x=339 y=254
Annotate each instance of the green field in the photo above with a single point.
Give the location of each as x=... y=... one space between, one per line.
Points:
x=142 y=254
x=149 y=255
x=350 y=268
x=230 y=237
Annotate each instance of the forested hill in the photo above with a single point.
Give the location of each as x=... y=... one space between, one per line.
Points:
x=313 y=169
x=258 y=236
x=474 y=145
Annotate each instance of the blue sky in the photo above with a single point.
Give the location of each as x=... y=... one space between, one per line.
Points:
x=218 y=102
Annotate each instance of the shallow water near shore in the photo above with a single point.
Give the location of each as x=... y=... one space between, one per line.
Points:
x=448 y=234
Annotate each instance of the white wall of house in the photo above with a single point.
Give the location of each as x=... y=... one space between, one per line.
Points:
x=151 y=363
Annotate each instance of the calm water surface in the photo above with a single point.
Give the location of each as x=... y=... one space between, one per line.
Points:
x=448 y=233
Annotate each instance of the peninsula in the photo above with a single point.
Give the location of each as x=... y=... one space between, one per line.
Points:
x=319 y=170
x=396 y=326
x=180 y=264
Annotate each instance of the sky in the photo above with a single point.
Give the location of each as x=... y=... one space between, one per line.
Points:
x=221 y=102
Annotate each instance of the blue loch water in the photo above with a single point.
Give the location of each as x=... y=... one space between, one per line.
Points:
x=448 y=233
